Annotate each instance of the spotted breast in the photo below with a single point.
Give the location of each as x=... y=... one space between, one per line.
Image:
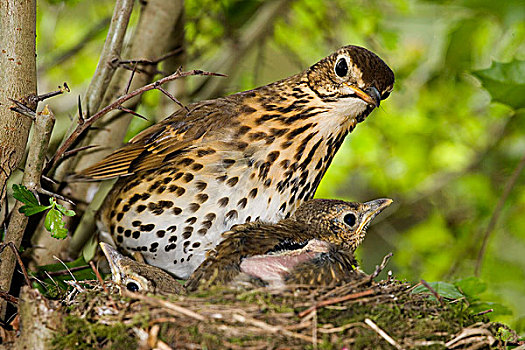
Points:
x=253 y=155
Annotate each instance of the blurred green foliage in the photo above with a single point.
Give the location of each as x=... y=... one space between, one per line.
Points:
x=443 y=146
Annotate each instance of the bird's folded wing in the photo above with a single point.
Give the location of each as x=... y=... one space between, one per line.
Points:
x=165 y=142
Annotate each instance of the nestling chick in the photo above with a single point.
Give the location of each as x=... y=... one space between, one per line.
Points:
x=315 y=246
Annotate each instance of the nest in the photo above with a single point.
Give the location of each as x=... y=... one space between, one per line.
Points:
x=363 y=314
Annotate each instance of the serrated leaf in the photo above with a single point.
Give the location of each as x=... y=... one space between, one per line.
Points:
x=29 y=210
x=446 y=290
x=21 y=193
x=54 y=224
x=505 y=82
x=64 y=210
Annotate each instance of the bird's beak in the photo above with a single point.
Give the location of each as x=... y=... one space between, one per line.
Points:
x=371 y=209
x=370 y=95
x=114 y=258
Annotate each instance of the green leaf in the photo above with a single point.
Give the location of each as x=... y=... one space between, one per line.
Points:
x=446 y=290
x=31 y=207
x=54 y=224
x=471 y=287
x=505 y=82
x=64 y=211
x=498 y=309
x=21 y=193
x=29 y=210
x=90 y=248
x=55 y=286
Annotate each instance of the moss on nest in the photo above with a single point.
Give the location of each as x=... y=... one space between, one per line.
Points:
x=326 y=318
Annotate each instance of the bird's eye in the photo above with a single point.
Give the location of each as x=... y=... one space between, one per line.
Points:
x=385 y=95
x=341 y=67
x=132 y=287
x=350 y=219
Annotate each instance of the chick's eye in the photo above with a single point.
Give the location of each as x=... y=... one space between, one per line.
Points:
x=350 y=219
x=132 y=287
x=341 y=67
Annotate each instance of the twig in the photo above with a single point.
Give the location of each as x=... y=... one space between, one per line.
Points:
x=382 y=333
x=484 y=312
x=433 y=291
x=110 y=52
x=509 y=185
x=79 y=149
x=128 y=86
x=12 y=246
x=335 y=301
x=132 y=112
x=22 y=109
x=60 y=91
x=165 y=304
x=8 y=297
x=381 y=267
x=99 y=278
x=88 y=122
x=314 y=329
x=65 y=272
x=173 y=98
x=42 y=129
x=155 y=61
x=273 y=329
x=103 y=73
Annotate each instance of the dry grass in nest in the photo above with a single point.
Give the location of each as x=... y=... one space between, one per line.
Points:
x=359 y=315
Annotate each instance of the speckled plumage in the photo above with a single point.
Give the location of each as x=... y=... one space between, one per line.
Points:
x=313 y=247
x=254 y=155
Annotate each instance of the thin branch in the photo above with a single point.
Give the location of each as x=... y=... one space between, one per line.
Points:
x=99 y=277
x=79 y=149
x=164 y=304
x=155 y=61
x=105 y=69
x=173 y=98
x=132 y=112
x=13 y=248
x=88 y=122
x=22 y=109
x=110 y=53
x=433 y=291
x=497 y=212
x=60 y=91
x=484 y=312
x=335 y=301
x=8 y=297
x=382 y=334
x=36 y=157
x=381 y=267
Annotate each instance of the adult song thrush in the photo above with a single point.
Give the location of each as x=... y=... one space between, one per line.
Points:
x=253 y=155
x=314 y=246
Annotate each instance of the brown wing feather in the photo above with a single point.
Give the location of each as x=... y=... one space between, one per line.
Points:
x=165 y=141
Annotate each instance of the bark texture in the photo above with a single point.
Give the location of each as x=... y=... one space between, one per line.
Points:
x=17 y=80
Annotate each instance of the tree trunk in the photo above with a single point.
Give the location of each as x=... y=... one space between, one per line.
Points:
x=17 y=81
